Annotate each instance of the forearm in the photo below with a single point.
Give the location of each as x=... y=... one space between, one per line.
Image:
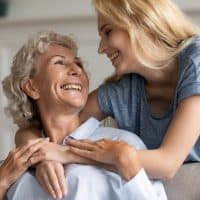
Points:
x=65 y=156
x=2 y=193
x=158 y=164
x=24 y=135
x=3 y=189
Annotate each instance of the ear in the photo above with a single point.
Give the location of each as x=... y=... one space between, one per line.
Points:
x=29 y=89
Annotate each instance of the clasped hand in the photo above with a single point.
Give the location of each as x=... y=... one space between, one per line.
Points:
x=117 y=153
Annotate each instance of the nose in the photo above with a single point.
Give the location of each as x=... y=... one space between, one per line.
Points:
x=102 y=47
x=75 y=70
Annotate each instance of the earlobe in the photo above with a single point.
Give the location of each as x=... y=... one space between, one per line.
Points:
x=29 y=89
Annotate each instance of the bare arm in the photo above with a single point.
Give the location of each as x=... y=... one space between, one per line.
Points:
x=182 y=134
x=50 y=172
x=24 y=135
x=3 y=190
x=62 y=154
x=92 y=108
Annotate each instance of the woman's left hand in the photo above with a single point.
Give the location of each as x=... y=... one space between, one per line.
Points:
x=113 y=152
x=104 y=150
x=118 y=153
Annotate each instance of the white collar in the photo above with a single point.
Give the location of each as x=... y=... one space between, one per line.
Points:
x=84 y=130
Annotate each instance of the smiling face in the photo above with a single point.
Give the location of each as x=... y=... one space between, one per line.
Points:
x=116 y=44
x=60 y=81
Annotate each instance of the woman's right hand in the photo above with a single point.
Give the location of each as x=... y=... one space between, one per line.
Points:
x=18 y=161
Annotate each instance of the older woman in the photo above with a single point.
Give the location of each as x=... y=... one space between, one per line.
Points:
x=48 y=87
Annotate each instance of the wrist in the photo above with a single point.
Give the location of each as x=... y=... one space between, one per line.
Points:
x=4 y=185
x=128 y=164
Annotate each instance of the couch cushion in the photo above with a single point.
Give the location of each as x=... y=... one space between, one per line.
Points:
x=186 y=184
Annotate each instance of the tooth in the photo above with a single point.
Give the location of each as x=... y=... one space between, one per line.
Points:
x=114 y=56
x=72 y=86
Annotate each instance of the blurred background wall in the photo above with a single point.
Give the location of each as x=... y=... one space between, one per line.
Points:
x=76 y=17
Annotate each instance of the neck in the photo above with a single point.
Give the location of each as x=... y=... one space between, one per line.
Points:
x=57 y=125
x=166 y=75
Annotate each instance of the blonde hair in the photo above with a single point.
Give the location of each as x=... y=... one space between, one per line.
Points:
x=157 y=28
x=20 y=106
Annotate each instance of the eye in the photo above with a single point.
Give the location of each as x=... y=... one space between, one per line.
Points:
x=107 y=32
x=79 y=62
x=59 y=62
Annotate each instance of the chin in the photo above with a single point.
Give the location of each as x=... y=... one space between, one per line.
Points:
x=79 y=104
x=120 y=72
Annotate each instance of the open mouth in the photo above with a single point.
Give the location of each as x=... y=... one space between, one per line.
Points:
x=76 y=87
x=114 y=56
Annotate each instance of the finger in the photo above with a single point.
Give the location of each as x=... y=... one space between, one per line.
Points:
x=35 y=158
x=83 y=153
x=81 y=145
x=61 y=179
x=87 y=141
x=44 y=182
x=54 y=183
x=24 y=147
x=29 y=149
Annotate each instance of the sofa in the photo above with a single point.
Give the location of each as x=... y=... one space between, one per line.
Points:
x=186 y=183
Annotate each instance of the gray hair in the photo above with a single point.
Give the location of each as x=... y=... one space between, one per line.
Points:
x=21 y=107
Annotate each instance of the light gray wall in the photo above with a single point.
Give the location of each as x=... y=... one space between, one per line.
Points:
x=64 y=16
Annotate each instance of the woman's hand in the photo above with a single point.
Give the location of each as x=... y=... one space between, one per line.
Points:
x=112 y=152
x=62 y=154
x=54 y=152
x=18 y=162
x=50 y=175
x=105 y=151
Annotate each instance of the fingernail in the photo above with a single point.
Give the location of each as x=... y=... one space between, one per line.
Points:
x=65 y=192
x=60 y=196
x=54 y=196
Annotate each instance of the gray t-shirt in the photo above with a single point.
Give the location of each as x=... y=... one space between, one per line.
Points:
x=126 y=100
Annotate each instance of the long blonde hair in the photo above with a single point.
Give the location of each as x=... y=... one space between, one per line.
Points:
x=157 y=28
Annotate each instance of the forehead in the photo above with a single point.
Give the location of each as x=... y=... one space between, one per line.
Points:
x=102 y=21
x=54 y=49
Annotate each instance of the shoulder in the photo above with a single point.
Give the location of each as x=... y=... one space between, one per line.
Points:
x=191 y=53
x=121 y=89
x=123 y=82
x=189 y=73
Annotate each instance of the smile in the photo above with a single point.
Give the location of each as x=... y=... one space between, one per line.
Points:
x=72 y=87
x=114 y=56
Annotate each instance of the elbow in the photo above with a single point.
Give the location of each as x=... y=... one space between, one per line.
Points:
x=169 y=174
x=169 y=171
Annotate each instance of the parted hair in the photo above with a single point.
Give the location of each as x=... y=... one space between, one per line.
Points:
x=21 y=107
x=158 y=29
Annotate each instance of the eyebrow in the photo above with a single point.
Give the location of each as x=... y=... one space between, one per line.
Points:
x=56 y=56
x=49 y=59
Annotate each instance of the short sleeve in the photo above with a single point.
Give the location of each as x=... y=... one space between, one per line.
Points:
x=189 y=80
x=104 y=96
x=115 y=99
